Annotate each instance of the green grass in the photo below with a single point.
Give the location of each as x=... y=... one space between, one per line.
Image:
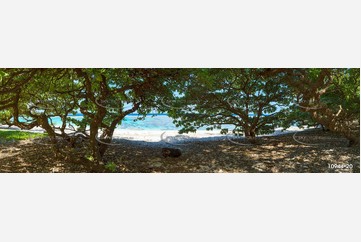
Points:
x=18 y=135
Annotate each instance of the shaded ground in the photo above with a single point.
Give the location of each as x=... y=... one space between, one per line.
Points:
x=271 y=154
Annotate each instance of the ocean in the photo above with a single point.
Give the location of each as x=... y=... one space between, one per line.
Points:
x=150 y=122
x=130 y=122
x=153 y=127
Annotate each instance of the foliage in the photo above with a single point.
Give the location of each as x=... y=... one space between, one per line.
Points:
x=330 y=96
x=31 y=97
x=240 y=97
x=253 y=100
x=111 y=94
x=111 y=166
x=19 y=135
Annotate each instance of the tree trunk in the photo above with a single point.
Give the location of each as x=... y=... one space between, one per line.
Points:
x=107 y=134
x=94 y=147
x=338 y=124
x=51 y=133
x=250 y=134
x=106 y=138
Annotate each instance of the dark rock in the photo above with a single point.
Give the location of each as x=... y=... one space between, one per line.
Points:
x=171 y=152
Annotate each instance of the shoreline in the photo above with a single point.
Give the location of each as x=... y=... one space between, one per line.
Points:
x=168 y=136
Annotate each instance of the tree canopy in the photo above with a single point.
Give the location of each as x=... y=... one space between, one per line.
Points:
x=253 y=100
x=330 y=96
x=239 y=97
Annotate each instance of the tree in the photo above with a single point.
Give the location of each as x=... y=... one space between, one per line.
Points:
x=32 y=97
x=330 y=96
x=255 y=100
x=12 y=82
x=253 y=103
x=111 y=94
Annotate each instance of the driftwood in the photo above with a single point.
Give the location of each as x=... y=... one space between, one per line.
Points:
x=171 y=152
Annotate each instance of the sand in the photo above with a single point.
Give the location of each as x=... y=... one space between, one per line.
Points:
x=153 y=137
x=174 y=136
x=204 y=151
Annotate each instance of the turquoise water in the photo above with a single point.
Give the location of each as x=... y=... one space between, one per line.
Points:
x=130 y=122
x=151 y=122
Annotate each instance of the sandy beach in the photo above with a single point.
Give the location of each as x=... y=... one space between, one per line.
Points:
x=158 y=137
x=169 y=136
x=210 y=152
